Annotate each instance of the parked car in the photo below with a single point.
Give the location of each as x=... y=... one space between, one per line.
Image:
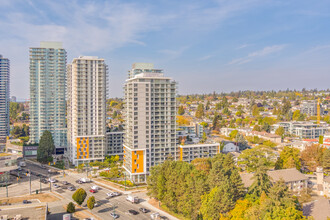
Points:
x=93 y=191
x=65 y=183
x=144 y=210
x=45 y=181
x=52 y=180
x=26 y=201
x=132 y=212
x=113 y=215
x=71 y=188
x=55 y=185
x=110 y=194
x=79 y=181
x=117 y=193
x=155 y=215
x=95 y=187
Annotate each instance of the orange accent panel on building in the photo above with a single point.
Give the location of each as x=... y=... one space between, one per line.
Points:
x=181 y=154
x=83 y=147
x=137 y=161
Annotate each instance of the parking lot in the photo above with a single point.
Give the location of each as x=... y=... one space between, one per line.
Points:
x=105 y=204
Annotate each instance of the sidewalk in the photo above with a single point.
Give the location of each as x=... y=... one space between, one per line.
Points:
x=154 y=209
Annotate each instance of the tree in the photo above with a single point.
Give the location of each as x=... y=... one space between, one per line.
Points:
x=218 y=201
x=261 y=182
x=296 y=115
x=311 y=157
x=280 y=204
x=182 y=120
x=204 y=138
x=326 y=160
x=251 y=159
x=180 y=110
x=46 y=147
x=70 y=208
x=255 y=111
x=280 y=131
x=200 y=111
x=240 y=140
x=202 y=164
x=265 y=127
x=289 y=158
x=321 y=139
x=91 y=202
x=256 y=128
x=79 y=196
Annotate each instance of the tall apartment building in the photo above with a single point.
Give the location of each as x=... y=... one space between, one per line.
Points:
x=48 y=92
x=310 y=108
x=4 y=99
x=150 y=120
x=87 y=93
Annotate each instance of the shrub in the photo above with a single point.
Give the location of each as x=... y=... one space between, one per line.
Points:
x=79 y=196
x=70 y=208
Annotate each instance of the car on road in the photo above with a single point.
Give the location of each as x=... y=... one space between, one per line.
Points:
x=144 y=210
x=65 y=183
x=93 y=191
x=113 y=194
x=52 y=180
x=132 y=212
x=114 y=215
x=26 y=201
x=79 y=181
x=55 y=185
x=71 y=188
x=132 y=199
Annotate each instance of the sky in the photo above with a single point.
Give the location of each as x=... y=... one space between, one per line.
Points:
x=205 y=45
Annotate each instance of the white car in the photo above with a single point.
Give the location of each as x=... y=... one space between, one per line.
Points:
x=52 y=180
x=155 y=215
x=95 y=187
x=55 y=185
x=110 y=194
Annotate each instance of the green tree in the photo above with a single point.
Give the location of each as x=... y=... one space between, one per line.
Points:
x=226 y=111
x=46 y=147
x=200 y=111
x=261 y=182
x=326 y=161
x=321 y=139
x=256 y=128
x=251 y=159
x=265 y=127
x=91 y=202
x=280 y=131
x=218 y=201
x=281 y=204
x=79 y=196
x=289 y=158
x=180 y=110
x=204 y=138
x=296 y=115
x=70 y=208
x=255 y=111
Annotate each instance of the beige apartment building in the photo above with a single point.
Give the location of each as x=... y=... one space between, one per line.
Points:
x=150 y=120
x=87 y=92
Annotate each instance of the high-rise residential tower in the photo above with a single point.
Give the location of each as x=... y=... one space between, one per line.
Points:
x=87 y=93
x=48 y=92
x=4 y=99
x=150 y=120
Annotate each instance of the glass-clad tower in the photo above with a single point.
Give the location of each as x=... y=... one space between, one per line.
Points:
x=4 y=99
x=48 y=92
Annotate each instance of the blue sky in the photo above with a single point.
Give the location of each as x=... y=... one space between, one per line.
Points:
x=204 y=45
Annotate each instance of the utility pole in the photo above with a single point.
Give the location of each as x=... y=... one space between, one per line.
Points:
x=7 y=184
x=125 y=180
x=40 y=184
x=30 y=180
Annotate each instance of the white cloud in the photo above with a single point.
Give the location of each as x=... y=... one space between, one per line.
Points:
x=260 y=53
x=205 y=57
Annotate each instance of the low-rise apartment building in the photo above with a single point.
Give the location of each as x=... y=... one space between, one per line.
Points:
x=304 y=130
x=192 y=151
